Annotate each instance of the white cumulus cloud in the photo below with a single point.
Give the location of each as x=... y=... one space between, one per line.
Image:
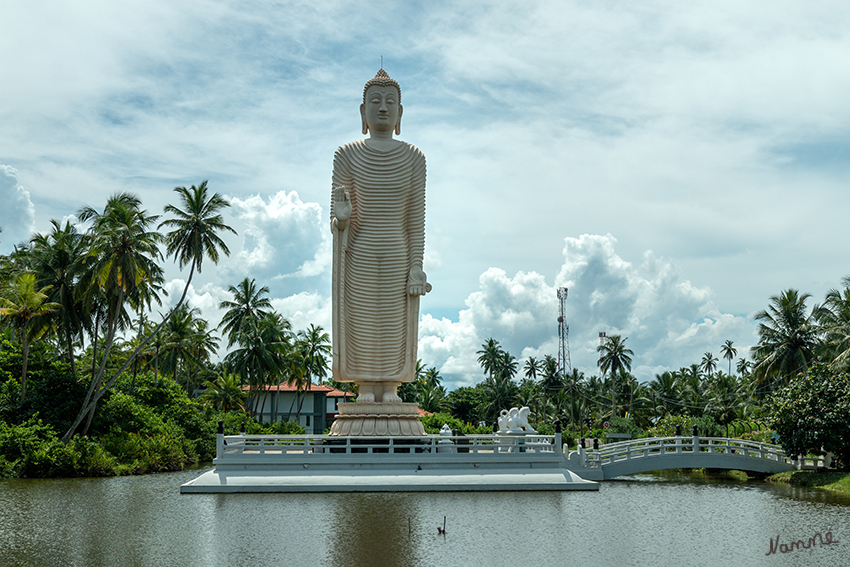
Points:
x=282 y=237
x=17 y=215
x=669 y=322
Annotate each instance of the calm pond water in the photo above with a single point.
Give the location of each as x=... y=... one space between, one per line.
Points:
x=643 y=520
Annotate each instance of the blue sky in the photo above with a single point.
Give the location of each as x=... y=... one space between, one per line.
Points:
x=673 y=164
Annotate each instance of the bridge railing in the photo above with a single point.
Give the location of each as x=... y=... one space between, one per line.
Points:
x=669 y=446
x=231 y=448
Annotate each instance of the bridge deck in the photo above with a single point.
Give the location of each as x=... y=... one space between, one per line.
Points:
x=659 y=453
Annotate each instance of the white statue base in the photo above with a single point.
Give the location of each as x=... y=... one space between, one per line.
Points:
x=397 y=419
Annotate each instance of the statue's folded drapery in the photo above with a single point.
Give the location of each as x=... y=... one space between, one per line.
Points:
x=375 y=319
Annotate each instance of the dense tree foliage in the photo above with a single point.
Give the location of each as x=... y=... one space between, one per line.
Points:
x=812 y=414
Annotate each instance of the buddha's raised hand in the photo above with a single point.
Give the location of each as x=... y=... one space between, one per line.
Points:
x=342 y=206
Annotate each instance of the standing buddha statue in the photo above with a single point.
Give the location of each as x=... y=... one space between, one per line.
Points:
x=378 y=225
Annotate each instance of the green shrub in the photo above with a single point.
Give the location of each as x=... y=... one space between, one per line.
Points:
x=147 y=453
x=618 y=424
x=666 y=426
x=55 y=398
x=433 y=424
x=123 y=412
x=91 y=458
x=287 y=428
x=32 y=449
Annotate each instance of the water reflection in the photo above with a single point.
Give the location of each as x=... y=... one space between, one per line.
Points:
x=376 y=529
x=642 y=520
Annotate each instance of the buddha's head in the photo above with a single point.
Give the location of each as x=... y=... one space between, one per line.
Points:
x=381 y=109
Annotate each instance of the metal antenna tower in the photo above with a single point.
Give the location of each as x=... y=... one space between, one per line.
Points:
x=564 y=364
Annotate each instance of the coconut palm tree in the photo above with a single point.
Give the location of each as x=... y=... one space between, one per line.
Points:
x=262 y=354
x=196 y=229
x=532 y=368
x=188 y=343
x=728 y=352
x=224 y=393
x=249 y=304
x=489 y=356
x=743 y=366
x=431 y=396
x=693 y=390
x=614 y=359
x=56 y=263
x=552 y=379
x=499 y=392
x=788 y=336
x=834 y=319
x=708 y=364
x=27 y=308
x=122 y=255
x=664 y=390
x=194 y=237
x=507 y=365
x=314 y=346
x=724 y=399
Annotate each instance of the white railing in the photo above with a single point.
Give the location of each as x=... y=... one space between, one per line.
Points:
x=671 y=446
x=297 y=446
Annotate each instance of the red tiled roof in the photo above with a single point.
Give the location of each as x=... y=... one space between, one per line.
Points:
x=423 y=413
x=334 y=393
x=290 y=387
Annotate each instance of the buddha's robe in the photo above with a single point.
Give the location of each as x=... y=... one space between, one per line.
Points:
x=375 y=319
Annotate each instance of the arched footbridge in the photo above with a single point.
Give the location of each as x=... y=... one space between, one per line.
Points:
x=659 y=453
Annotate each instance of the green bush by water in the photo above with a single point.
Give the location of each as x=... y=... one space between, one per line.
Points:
x=142 y=426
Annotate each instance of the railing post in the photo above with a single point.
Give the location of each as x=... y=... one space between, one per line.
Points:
x=696 y=441
x=558 y=447
x=219 y=440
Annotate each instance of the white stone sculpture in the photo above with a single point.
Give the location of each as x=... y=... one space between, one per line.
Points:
x=378 y=225
x=515 y=421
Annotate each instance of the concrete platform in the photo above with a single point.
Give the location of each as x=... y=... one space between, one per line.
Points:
x=389 y=480
x=315 y=463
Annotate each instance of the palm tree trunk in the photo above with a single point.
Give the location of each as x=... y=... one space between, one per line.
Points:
x=89 y=405
x=91 y=400
x=300 y=405
x=70 y=345
x=263 y=407
x=613 y=395
x=26 y=349
x=156 y=368
x=277 y=400
x=94 y=350
x=291 y=405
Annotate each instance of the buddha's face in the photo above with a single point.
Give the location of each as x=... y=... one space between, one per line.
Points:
x=381 y=111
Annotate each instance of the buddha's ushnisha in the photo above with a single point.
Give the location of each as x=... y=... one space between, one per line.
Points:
x=378 y=225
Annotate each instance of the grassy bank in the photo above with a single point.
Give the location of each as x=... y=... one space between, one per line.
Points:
x=739 y=476
x=834 y=481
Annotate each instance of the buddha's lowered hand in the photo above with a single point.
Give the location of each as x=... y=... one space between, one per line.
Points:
x=417 y=281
